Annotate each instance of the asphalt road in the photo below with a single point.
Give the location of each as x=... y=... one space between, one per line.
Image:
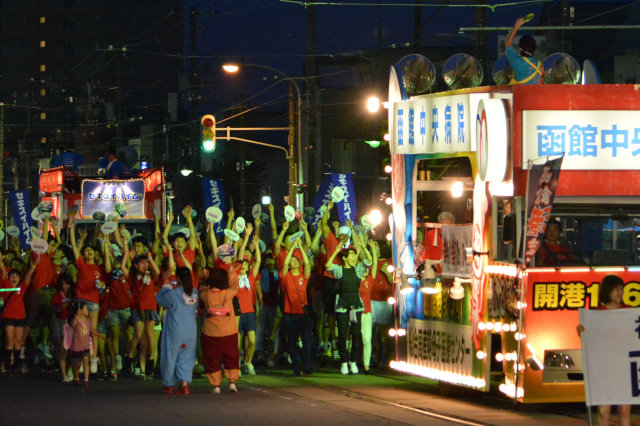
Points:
x=274 y=398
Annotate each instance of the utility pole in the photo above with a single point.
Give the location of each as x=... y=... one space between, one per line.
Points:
x=2 y=161
x=292 y=138
x=193 y=74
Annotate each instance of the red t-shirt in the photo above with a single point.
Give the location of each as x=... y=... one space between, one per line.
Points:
x=246 y=296
x=43 y=275
x=189 y=254
x=88 y=274
x=119 y=293
x=380 y=288
x=57 y=301
x=280 y=258
x=14 y=305
x=144 y=293
x=365 y=293
x=330 y=245
x=294 y=288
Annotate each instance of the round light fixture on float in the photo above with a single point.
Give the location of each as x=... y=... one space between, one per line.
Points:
x=561 y=68
x=462 y=71
x=416 y=73
x=492 y=139
x=501 y=71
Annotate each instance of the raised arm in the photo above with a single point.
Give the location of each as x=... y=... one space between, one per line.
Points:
x=157 y=234
x=305 y=260
x=324 y=223
x=272 y=219
x=167 y=227
x=307 y=238
x=29 y=274
x=332 y=256
x=256 y=267
x=247 y=234
x=287 y=259
x=3 y=270
x=107 y=254
x=374 y=254
x=212 y=240
x=276 y=248
x=230 y=216
x=155 y=271
x=512 y=34
x=72 y=236
x=315 y=244
x=192 y=230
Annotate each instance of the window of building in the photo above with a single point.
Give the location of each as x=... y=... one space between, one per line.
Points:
x=43 y=68
x=43 y=20
x=43 y=92
x=43 y=116
x=43 y=43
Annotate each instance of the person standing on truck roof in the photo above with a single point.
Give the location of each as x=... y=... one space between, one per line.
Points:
x=525 y=69
x=117 y=167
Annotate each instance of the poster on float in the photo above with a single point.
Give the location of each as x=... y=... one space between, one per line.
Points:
x=124 y=198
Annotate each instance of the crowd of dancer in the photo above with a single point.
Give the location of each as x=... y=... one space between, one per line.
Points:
x=103 y=304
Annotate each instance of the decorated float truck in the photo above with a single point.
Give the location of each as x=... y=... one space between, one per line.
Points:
x=476 y=305
x=134 y=201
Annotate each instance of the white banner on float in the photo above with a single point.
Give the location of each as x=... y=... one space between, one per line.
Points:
x=435 y=124
x=589 y=140
x=441 y=346
x=611 y=356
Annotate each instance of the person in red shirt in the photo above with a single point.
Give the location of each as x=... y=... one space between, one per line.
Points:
x=118 y=305
x=142 y=279
x=182 y=247
x=297 y=324
x=89 y=283
x=14 y=315
x=61 y=302
x=247 y=293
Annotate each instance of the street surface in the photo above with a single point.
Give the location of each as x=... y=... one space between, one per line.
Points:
x=277 y=398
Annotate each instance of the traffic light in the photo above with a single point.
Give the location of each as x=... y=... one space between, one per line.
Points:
x=208 y=123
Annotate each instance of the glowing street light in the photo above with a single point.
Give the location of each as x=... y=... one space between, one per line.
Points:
x=373 y=104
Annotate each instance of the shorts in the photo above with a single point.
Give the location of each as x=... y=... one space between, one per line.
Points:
x=103 y=326
x=144 y=316
x=93 y=307
x=13 y=322
x=78 y=355
x=381 y=313
x=247 y=322
x=116 y=317
x=58 y=328
x=317 y=303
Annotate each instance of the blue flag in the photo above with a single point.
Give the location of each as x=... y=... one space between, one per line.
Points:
x=22 y=215
x=346 y=207
x=213 y=195
x=323 y=196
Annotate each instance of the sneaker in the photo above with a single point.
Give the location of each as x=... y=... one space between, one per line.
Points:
x=45 y=351
x=329 y=352
x=77 y=382
x=250 y=369
x=67 y=379
x=300 y=344
x=119 y=362
x=142 y=376
x=216 y=390
x=183 y=390
x=353 y=367
x=168 y=390
x=136 y=371
x=336 y=355
x=94 y=365
x=85 y=383
x=233 y=388
x=344 y=369
x=289 y=361
x=113 y=376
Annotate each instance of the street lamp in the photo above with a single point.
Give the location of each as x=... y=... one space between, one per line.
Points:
x=294 y=178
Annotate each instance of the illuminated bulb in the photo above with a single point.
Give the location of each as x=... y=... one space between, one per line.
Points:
x=521 y=305
x=391 y=300
x=375 y=217
x=481 y=355
x=519 y=336
x=388 y=168
x=373 y=104
x=402 y=332
x=506 y=327
x=387 y=137
x=497 y=327
x=499 y=357
x=390 y=269
x=507 y=356
x=389 y=236
x=457 y=189
x=481 y=326
x=489 y=326
x=392 y=332
x=388 y=201
x=514 y=356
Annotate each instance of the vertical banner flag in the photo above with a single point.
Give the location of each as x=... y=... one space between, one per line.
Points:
x=610 y=355
x=22 y=215
x=323 y=196
x=541 y=189
x=346 y=207
x=213 y=195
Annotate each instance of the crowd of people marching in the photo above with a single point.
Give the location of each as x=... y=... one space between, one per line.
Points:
x=104 y=305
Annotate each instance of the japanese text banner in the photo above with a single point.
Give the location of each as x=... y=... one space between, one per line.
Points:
x=214 y=196
x=323 y=196
x=346 y=207
x=542 y=184
x=611 y=356
x=124 y=198
x=22 y=215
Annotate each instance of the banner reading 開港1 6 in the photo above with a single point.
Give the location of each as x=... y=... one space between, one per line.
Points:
x=611 y=356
